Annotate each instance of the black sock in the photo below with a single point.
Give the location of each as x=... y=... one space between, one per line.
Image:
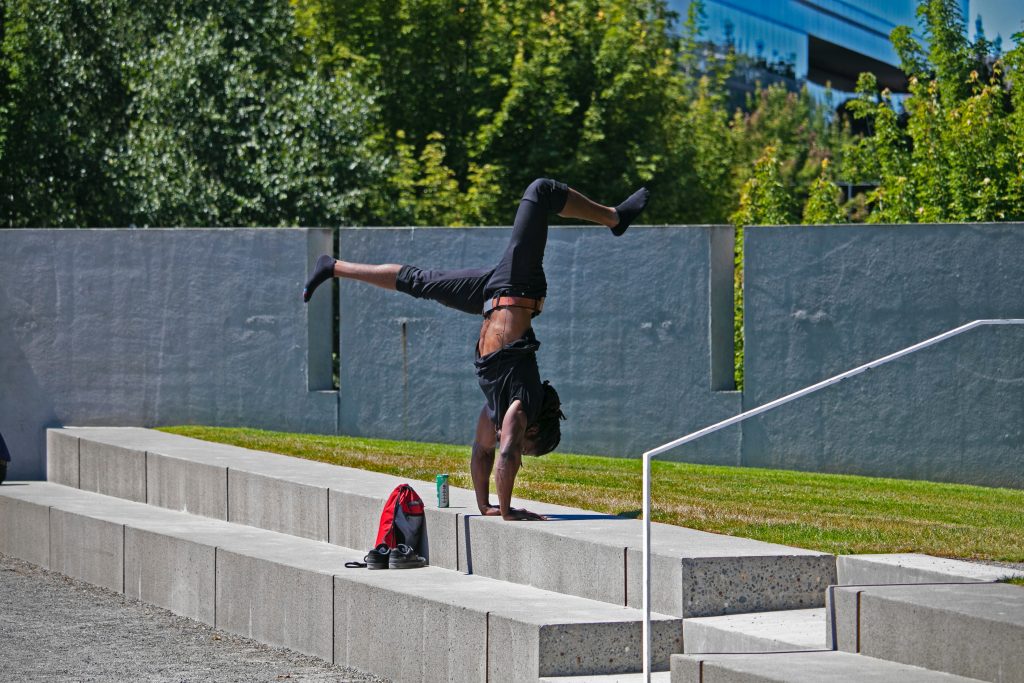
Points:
x=323 y=271
x=630 y=209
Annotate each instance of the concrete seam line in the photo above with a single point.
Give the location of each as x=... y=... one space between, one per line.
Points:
x=831 y=602
x=216 y=586
x=78 y=462
x=49 y=536
x=124 y=558
x=487 y=647
x=626 y=577
x=857 y=613
x=334 y=616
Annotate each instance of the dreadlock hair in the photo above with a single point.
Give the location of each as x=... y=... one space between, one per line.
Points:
x=549 y=431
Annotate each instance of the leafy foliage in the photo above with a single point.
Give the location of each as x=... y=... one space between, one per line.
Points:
x=960 y=155
x=318 y=112
x=188 y=114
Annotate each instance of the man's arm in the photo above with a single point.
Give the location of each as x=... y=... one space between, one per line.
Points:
x=482 y=462
x=513 y=429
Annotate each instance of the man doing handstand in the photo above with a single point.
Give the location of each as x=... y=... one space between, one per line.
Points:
x=521 y=415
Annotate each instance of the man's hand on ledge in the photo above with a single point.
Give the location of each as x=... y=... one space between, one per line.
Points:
x=523 y=515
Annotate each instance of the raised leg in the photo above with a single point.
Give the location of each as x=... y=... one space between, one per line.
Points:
x=618 y=218
x=384 y=275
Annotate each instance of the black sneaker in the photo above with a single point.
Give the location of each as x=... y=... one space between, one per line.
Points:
x=378 y=557
x=404 y=557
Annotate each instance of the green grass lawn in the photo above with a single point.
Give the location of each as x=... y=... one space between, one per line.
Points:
x=828 y=512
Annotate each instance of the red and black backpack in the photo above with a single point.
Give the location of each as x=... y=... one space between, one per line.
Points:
x=402 y=521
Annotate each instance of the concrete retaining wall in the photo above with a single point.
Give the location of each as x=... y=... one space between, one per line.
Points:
x=154 y=327
x=823 y=300
x=157 y=327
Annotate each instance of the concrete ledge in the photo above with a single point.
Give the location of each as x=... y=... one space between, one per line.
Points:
x=295 y=592
x=24 y=529
x=170 y=572
x=786 y=631
x=800 y=667
x=87 y=548
x=972 y=629
x=698 y=574
x=277 y=505
x=695 y=573
x=275 y=603
x=567 y=555
x=858 y=570
x=192 y=487
x=450 y=640
x=112 y=470
x=62 y=458
x=656 y=677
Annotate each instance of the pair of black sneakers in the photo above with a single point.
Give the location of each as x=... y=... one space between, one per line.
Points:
x=383 y=557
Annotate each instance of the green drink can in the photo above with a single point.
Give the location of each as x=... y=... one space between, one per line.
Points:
x=442 y=490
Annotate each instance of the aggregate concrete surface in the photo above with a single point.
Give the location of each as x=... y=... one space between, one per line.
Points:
x=54 y=628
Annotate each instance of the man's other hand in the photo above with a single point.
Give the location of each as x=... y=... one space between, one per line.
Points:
x=522 y=515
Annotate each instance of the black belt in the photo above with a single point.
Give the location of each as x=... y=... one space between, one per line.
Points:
x=535 y=305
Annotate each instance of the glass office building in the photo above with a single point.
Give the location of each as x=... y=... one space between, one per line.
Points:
x=814 y=41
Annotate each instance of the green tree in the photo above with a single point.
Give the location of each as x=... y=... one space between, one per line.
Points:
x=226 y=131
x=63 y=103
x=960 y=155
x=594 y=91
x=192 y=112
x=824 y=204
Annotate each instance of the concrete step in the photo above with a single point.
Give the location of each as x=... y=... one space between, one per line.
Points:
x=859 y=570
x=800 y=667
x=656 y=677
x=695 y=573
x=783 y=631
x=968 y=629
x=295 y=592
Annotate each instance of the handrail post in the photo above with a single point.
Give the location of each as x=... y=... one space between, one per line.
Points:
x=647 y=567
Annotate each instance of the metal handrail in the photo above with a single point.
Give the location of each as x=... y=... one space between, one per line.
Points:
x=752 y=413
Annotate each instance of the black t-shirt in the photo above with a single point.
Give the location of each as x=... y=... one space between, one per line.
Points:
x=511 y=373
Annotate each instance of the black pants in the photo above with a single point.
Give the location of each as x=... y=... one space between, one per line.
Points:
x=520 y=272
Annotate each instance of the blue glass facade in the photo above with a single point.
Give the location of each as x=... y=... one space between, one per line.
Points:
x=824 y=41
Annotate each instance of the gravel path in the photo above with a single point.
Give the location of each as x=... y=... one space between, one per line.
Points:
x=53 y=628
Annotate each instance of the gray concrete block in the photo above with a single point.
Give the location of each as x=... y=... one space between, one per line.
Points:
x=87 y=548
x=276 y=603
x=277 y=505
x=785 y=631
x=894 y=568
x=520 y=651
x=173 y=573
x=440 y=641
x=62 y=457
x=842 y=617
x=974 y=630
x=564 y=554
x=800 y=667
x=288 y=591
x=705 y=586
x=530 y=632
x=112 y=470
x=181 y=484
x=24 y=529
x=656 y=677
